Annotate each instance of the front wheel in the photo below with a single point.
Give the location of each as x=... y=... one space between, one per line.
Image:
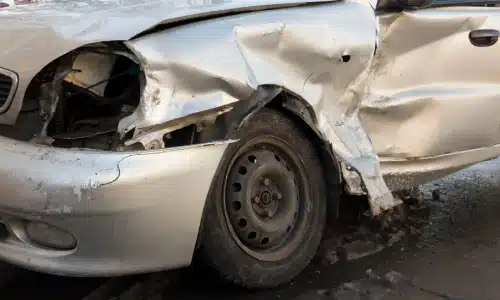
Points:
x=266 y=212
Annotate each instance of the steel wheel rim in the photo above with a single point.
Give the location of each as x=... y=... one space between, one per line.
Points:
x=271 y=227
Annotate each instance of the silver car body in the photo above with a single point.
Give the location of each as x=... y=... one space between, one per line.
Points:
x=403 y=98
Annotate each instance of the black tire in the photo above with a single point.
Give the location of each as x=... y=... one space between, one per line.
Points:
x=225 y=247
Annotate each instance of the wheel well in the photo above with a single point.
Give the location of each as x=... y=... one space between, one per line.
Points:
x=300 y=111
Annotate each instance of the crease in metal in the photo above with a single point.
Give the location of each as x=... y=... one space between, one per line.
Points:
x=388 y=91
x=304 y=52
x=351 y=108
x=425 y=80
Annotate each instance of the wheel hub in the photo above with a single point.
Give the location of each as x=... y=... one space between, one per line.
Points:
x=262 y=199
x=266 y=197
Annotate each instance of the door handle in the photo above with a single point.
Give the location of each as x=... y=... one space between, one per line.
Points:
x=484 y=37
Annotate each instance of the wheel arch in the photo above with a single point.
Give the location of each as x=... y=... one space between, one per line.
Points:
x=301 y=112
x=298 y=109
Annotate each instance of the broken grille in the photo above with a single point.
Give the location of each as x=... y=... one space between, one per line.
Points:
x=6 y=86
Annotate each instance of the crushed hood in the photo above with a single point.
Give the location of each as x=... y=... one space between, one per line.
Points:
x=120 y=19
x=35 y=34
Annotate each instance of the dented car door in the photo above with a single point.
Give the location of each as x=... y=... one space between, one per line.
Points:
x=435 y=84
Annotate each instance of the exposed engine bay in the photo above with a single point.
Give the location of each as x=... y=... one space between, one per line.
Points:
x=78 y=101
x=99 y=91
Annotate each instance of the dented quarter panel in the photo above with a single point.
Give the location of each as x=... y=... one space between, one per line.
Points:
x=121 y=207
x=322 y=53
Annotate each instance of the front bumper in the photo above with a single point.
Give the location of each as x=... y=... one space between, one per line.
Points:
x=129 y=212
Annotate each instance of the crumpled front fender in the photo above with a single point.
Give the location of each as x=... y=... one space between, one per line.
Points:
x=322 y=53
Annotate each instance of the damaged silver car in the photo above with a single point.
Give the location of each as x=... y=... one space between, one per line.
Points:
x=136 y=133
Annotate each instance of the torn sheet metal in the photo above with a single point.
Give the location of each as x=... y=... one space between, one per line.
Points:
x=48 y=29
x=353 y=183
x=322 y=53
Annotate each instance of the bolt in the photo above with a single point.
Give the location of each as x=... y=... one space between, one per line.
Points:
x=266 y=181
x=153 y=145
x=279 y=196
x=269 y=214
x=256 y=199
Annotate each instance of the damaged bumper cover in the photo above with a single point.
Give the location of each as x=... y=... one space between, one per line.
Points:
x=105 y=202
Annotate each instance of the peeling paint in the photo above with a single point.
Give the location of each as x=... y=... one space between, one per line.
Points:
x=62 y=199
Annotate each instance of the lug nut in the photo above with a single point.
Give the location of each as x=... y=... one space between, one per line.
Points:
x=256 y=199
x=266 y=181
x=279 y=196
x=269 y=214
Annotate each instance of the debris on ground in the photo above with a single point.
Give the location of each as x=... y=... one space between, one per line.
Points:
x=368 y=235
x=391 y=286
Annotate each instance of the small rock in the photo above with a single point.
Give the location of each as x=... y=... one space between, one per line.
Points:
x=395 y=277
x=436 y=195
x=328 y=251
x=395 y=237
x=331 y=257
x=415 y=231
x=358 y=249
x=392 y=285
x=371 y=274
